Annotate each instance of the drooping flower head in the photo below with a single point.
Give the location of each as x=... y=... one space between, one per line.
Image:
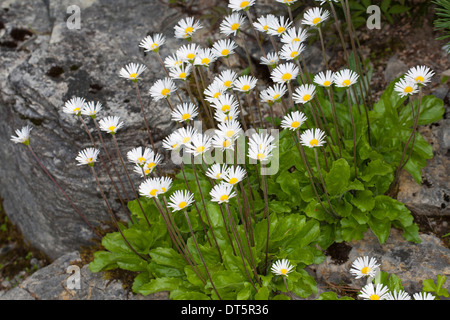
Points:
x=217 y=171
x=87 y=156
x=271 y=59
x=91 y=109
x=185 y=28
x=152 y=43
x=22 y=135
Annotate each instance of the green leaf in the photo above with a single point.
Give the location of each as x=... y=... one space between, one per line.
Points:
x=184 y=294
x=364 y=200
x=103 y=260
x=338 y=178
x=381 y=228
x=430 y=286
x=262 y=294
x=159 y=284
x=329 y=295
x=431 y=110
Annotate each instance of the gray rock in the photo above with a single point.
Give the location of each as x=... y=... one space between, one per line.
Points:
x=394 y=68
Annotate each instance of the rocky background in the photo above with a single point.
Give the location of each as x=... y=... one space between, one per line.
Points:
x=44 y=63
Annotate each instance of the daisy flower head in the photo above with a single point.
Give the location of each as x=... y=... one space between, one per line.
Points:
x=150 y=188
x=185 y=28
x=263 y=22
x=271 y=59
x=423 y=296
x=232 y=24
x=199 y=145
x=214 y=91
x=398 y=295
x=345 y=78
x=149 y=166
x=284 y=73
x=152 y=43
x=230 y=129
x=204 y=57
x=87 y=156
x=162 y=89
x=274 y=93
x=315 y=16
x=223 y=48
x=225 y=117
x=406 y=87
x=287 y=2
x=374 y=292
x=222 y=142
x=282 y=267
x=187 y=52
x=324 y=78
x=291 y=51
x=74 y=106
x=91 y=109
x=227 y=78
x=222 y=192
x=234 y=174
x=312 y=138
x=184 y=112
x=139 y=156
x=293 y=121
x=172 y=142
x=165 y=184
x=180 y=200
x=110 y=124
x=173 y=61
x=325 y=1
x=260 y=147
x=238 y=5
x=420 y=74
x=132 y=71
x=225 y=103
x=217 y=171
x=22 y=135
x=294 y=35
x=278 y=26
x=304 y=93
x=181 y=72
x=245 y=83
x=364 y=267
x=185 y=134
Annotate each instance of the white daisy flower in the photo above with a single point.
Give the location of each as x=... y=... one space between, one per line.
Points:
x=287 y=2
x=312 y=138
x=234 y=175
x=225 y=103
x=185 y=28
x=152 y=43
x=214 y=91
x=324 y=79
x=150 y=188
x=87 y=156
x=223 y=48
x=304 y=93
x=245 y=83
x=139 y=156
x=204 y=57
x=173 y=61
x=181 y=72
x=284 y=73
x=172 y=142
x=162 y=89
x=180 y=200
x=224 y=117
x=230 y=129
x=74 y=105
x=237 y=5
x=282 y=267
x=227 y=78
x=184 y=112
x=271 y=59
x=406 y=87
x=91 y=109
x=371 y=292
x=217 y=171
x=110 y=124
x=222 y=143
x=149 y=166
x=293 y=120
x=294 y=35
x=222 y=192
x=315 y=16
x=132 y=71
x=364 y=267
x=263 y=22
x=345 y=78
x=278 y=26
x=22 y=135
x=423 y=296
x=325 y=1
x=260 y=147
x=274 y=93
x=187 y=52
x=165 y=184
x=420 y=74
x=232 y=24
x=398 y=295
x=200 y=144
x=185 y=135
x=291 y=51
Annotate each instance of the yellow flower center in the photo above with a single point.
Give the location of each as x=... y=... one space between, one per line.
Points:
x=200 y=149
x=225 y=52
x=281 y=30
x=314 y=142
x=186 y=116
x=346 y=82
x=374 y=297
x=260 y=156
x=218 y=176
x=286 y=77
x=163 y=189
x=316 y=20
x=306 y=97
x=227 y=118
x=153 y=192
x=141 y=160
x=191 y=56
x=112 y=128
x=216 y=95
x=327 y=83
x=76 y=110
x=293 y=54
x=296 y=40
x=245 y=87
x=189 y=30
x=151 y=165
x=147 y=171
x=133 y=75
x=225 y=108
x=226 y=143
x=408 y=89
x=182 y=204
x=235 y=26
x=186 y=139
x=244 y=4
x=265 y=27
x=165 y=92
x=182 y=75
x=233 y=181
x=365 y=270
x=295 y=124
x=205 y=61
x=283 y=271
x=419 y=79
x=174 y=145
x=89 y=160
x=154 y=46
x=227 y=83
x=224 y=197
x=230 y=133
